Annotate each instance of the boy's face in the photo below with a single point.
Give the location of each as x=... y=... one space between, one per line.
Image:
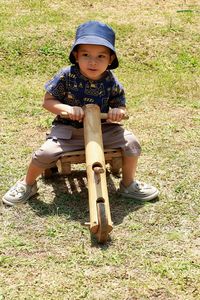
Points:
x=93 y=60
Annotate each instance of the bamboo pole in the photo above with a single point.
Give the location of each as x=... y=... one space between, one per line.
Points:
x=103 y=116
x=95 y=166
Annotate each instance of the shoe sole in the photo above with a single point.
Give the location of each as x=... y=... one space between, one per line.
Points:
x=131 y=196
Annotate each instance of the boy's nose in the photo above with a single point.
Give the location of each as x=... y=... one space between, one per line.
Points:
x=93 y=60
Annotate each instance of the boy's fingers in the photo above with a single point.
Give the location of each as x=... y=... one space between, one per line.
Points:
x=77 y=114
x=115 y=116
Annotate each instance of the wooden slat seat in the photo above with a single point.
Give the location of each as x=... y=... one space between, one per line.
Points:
x=112 y=156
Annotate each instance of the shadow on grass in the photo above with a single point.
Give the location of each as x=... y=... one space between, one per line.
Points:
x=71 y=200
x=70 y=197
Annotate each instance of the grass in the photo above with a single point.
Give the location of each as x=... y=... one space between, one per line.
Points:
x=154 y=251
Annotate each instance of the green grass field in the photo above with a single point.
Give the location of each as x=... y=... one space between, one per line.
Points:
x=154 y=251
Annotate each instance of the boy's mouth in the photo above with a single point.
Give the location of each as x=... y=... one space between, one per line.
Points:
x=92 y=70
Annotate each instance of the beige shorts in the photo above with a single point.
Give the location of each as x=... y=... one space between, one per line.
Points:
x=64 y=138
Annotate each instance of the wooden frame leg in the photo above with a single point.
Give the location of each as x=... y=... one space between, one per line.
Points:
x=47 y=173
x=116 y=165
x=64 y=168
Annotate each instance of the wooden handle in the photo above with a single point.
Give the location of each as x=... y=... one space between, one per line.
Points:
x=104 y=116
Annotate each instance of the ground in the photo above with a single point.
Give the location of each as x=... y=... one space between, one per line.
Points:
x=154 y=248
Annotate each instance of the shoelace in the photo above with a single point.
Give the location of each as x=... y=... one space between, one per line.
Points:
x=18 y=189
x=141 y=185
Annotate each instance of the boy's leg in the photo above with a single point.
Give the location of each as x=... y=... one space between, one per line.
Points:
x=27 y=187
x=117 y=137
x=44 y=158
x=32 y=174
x=131 y=188
x=129 y=165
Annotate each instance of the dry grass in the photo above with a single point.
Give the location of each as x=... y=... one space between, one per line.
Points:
x=154 y=251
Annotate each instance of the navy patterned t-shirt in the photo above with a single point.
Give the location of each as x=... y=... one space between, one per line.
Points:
x=70 y=87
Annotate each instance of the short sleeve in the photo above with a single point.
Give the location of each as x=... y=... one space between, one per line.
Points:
x=57 y=86
x=117 y=96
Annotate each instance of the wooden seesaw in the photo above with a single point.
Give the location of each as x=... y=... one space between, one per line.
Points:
x=95 y=156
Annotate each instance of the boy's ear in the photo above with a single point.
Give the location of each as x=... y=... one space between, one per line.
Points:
x=75 y=55
x=112 y=57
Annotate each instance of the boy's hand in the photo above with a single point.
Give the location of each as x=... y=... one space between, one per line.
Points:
x=76 y=113
x=116 y=114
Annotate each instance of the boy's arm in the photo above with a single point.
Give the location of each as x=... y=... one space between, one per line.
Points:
x=51 y=104
x=117 y=101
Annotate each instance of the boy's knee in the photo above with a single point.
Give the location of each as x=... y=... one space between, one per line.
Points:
x=46 y=156
x=132 y=146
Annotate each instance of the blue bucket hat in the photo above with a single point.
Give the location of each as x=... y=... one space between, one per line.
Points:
x=95 y=33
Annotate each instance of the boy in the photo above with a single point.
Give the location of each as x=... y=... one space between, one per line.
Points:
x=87 y=80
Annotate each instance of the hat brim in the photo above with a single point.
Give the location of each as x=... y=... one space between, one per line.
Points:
x=94 y=40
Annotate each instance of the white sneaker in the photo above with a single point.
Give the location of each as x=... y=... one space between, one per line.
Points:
x=139 y=191
x=19 y=193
